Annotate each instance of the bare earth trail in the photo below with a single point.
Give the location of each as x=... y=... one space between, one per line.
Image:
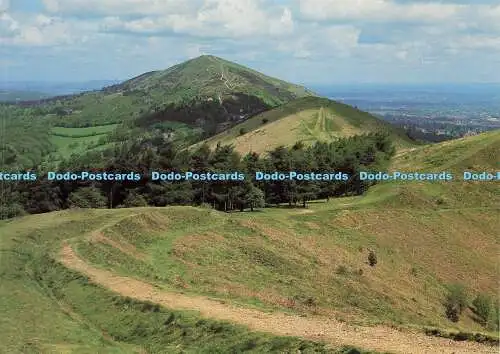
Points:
x=336 y=333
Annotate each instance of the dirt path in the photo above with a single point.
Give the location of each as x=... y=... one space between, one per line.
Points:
x=380 y=338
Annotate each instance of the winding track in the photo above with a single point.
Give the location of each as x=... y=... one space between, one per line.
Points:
x=329 y=330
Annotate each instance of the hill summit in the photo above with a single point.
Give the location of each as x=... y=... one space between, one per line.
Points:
x=211 y=76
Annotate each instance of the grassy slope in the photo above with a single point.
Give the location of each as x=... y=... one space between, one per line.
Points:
x=307 y=119
x=478 y=153
x=24 y=141
x=46 y=308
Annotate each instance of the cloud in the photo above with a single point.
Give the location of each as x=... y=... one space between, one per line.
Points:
x=362 y=37
x=377 y=10
x=214 y=19
x=40 y=30
x=4 y=5
x=8 y=26
x=117 y=7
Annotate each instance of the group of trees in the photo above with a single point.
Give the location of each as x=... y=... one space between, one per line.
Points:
x=155 y=153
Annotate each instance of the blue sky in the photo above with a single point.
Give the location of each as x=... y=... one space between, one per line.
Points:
x=305 y=41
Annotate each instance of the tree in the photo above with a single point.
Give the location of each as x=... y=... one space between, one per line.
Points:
x=87 y=197
x=254 y=198
x=134 y=199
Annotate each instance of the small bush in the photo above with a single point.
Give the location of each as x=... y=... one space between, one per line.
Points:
x=341 y=270
x=243 y=131
x=265 y=120
x=482 y=307
x=372 y=259
x=455 y=302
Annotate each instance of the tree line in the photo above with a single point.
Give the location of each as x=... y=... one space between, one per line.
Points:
x=154 y=152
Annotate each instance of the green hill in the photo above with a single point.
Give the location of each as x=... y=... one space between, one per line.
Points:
x=299 y=272
x=203 y=79
x=307 y=119
x=202 y=96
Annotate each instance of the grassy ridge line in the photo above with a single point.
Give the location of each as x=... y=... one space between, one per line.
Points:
x=49 y=308
x=480 y=153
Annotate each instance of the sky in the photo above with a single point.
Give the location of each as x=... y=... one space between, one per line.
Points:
x=304 y=41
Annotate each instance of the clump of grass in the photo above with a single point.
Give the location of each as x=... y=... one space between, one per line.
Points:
x=341 y=270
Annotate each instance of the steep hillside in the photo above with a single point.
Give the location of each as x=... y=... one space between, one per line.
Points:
x=303 y=272
x=307 y=119
x=203 y=79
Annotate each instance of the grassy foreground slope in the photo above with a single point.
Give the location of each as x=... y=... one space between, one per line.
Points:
x=47 y=308
x=307 y=119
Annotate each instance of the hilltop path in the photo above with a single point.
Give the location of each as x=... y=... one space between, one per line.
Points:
x=331 y=331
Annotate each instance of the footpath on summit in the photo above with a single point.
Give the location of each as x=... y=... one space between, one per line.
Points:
x=331 y=331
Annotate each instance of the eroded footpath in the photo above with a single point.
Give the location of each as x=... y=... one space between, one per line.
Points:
x=331 y=331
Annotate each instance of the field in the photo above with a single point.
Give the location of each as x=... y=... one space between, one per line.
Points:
x=308 y=120
x=83 y=132
x=298 y=272
x=70 y=141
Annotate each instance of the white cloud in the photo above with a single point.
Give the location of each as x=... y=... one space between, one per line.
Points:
x=284 y=25
x=216 y=18
x=377 y=10
x=118 y=7
x=4 y=5
x=40 y=30
x=478 y=42
x=9 y=27
x=362 y=34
